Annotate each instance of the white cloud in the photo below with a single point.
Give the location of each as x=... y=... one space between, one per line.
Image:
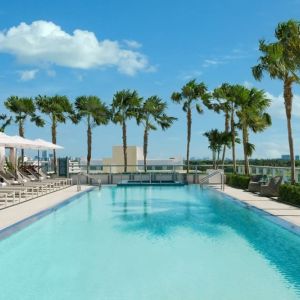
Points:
x=133 y=44
x=212 y=62
x=190 y=75
x=216 y=60
x=271 y=149
x=248 y=84
x=43 y=42
x=28 y=74
x=277 y=108
x=51 y=73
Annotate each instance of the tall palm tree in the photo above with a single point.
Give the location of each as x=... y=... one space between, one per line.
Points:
x=281 y=60
x=59 y=109
x=223 y=96
x=152 y=114
x=125 y=105
x=252 y=115
x=95 y=113
x=23 y=108
x=191 y=95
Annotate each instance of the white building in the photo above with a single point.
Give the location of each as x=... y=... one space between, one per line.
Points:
x=135 y=162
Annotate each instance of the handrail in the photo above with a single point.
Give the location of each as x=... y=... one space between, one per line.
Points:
x=204 y=179
x=88 y=176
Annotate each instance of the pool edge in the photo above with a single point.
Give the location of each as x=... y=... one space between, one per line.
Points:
x=268 y=216
x=18 y=226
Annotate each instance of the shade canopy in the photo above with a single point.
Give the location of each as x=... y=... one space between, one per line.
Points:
x=22 y=143
x=47 y=145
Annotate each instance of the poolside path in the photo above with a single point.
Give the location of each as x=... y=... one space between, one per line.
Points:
x=24 y=210
x=285 y=212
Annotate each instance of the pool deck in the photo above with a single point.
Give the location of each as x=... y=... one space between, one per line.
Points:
x=284 y=212
x=15 y=214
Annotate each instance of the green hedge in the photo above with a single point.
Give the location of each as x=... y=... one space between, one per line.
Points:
x=289 y=193
x=238 y=181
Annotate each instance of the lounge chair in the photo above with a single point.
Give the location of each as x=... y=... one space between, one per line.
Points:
x=31 y=189
x=255 y=183
x=272 y=188
x=36 y=174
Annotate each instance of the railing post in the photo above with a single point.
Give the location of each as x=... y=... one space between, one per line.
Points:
x=78 y=183
x=110 y=177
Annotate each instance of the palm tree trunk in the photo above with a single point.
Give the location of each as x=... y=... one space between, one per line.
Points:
x=245 y=143
x=288 y=102
x=21 y=133
x=124 y=136
x=145 y=148
x=218 y=158
x=233 y=139
x=189 y=126
x=53 y=133
x=214 y=159
x=226 y=130
x=89 y=146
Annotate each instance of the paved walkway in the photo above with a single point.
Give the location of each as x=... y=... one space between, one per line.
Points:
x=17 y=213
x=288 y=213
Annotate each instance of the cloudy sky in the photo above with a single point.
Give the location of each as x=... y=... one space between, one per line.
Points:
x=96 y=47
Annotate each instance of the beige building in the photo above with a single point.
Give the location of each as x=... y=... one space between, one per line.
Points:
x=115 y=164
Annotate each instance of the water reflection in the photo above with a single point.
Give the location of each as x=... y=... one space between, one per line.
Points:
x=208 y=213
x=89 y=207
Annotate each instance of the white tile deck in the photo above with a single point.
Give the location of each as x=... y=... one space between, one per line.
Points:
x=283 y=211
x=17 y=213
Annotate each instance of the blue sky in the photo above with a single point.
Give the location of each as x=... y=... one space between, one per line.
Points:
x=155 y=47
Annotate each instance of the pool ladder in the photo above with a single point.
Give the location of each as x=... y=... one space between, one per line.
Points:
x=205 y=179
x=88 y=176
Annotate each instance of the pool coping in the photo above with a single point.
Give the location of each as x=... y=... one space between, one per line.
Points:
x=268 y=216
x=19 y=225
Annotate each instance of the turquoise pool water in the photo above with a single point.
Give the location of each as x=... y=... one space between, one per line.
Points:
x=151 y=243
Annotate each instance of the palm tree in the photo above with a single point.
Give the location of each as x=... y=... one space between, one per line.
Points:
x=23 y=108
x=281 y=60
x=125 y=105
x=6 y=121
x=190 y=96
x=59 y=109
x=152 y=114
x=252 y=115
x=223 y=96
x=217 y=140
x=95 y=113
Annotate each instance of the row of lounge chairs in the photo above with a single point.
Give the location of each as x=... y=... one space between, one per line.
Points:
x=259 y=185
x=27 y=183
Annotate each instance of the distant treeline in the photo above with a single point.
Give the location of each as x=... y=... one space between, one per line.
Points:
x=253 y=162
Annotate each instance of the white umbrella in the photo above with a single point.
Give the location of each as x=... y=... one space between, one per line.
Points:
x=47 y=145
x=8 y=141
x=22 y=143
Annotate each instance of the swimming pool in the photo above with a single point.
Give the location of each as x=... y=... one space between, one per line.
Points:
x=151 y=243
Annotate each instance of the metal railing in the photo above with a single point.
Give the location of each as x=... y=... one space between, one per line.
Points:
x=205 y=180
x=88 y=176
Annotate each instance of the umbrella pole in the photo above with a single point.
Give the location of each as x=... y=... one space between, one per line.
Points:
x=16 y=163
x=38 y=161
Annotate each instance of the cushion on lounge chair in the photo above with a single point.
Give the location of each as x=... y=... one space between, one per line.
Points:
x=272 y=188
x=254 y=184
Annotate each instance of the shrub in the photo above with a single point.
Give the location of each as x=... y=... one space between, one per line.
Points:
x=289 y=193
x=237 y=181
